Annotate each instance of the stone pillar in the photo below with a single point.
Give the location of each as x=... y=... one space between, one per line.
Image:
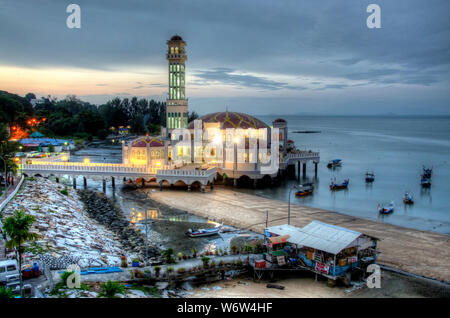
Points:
x=304 y=170
x=254 y=183
x=104 y=185
x=85 y=182
x=113 y=182
x=74 y=180
x=203 y=188
x=235 y=182
x=143 y=182
x=189 y=187
x=57 y=180
x=315 y=169
x=212 y=185
x=160 y=186
x=298 y=171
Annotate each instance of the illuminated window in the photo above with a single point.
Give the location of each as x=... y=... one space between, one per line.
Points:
x=171 y=50
x=176 y=50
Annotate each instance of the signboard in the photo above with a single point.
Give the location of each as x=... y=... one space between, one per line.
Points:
x=352 y=259
x=321 y=267
x=281 y=260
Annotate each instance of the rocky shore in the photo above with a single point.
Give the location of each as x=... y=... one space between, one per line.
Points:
x=100 y=208
x=66 y=229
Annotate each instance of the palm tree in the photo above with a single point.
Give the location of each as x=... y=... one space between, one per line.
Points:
x=17 y=227
x=168 y=254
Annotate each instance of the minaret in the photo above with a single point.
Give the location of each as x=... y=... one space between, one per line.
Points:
x=176 y=104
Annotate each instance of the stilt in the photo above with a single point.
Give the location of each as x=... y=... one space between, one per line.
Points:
x=189 y=187
x=234 y=182
x=160 y=186
x=113 y=182
x=254 y=183
x=57 y=180
x=85 y=182
x=304 y=170
x=298 y=171
x=203 y=188
x=315 y=170
x=212 y=185
x=74 y=181
x=143 y=182
x=104 y=185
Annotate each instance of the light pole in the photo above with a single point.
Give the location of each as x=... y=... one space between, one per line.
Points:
x=4 y=177
x=289 y=203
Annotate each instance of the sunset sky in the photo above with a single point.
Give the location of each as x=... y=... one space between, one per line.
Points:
x=257 y=56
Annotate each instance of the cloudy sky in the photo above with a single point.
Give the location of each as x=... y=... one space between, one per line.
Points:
x=257 y=56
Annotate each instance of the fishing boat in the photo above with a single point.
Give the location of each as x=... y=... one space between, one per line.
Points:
x=334 y=163
x=408 y=199
x=427 y=172
x=425 y=182
x=370 y=177
x=338 y=186
x=386 y=209
x=203 y=232
x=305 y=189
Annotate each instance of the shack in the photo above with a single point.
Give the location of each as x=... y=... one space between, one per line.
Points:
x=328 y=250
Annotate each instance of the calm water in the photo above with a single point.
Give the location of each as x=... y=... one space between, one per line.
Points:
x=395 y=148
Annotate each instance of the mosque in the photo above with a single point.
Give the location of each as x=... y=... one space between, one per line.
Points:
x=242 y=148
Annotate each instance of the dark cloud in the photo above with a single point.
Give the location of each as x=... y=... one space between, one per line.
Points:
x=326 y=41
x=228 y=76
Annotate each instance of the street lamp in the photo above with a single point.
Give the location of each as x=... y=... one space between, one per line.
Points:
x=289 y=203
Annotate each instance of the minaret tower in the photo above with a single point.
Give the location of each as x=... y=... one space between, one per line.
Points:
x=176 y=104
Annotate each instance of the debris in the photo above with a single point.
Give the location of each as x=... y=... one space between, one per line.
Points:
x=275 y=286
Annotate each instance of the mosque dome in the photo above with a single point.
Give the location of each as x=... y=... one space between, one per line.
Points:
x=232 y=120
x=143 y=141
x=279 y=120
x=176 y=38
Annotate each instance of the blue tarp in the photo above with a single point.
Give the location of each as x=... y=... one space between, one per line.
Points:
x=44 y=142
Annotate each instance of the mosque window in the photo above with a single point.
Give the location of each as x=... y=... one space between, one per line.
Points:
x=176 y=50
x=171 y=50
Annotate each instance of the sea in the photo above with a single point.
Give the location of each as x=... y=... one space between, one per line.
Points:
x=395 y=148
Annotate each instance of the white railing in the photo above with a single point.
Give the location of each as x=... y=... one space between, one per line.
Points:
x=302 y=154
x=65 y=156
x=88 y=168
x=186 y=173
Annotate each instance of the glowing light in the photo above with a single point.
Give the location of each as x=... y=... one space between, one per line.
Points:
x=64 y=158
x=158 y=164
x=217 y=139
x=86 y=160
x=236 y=140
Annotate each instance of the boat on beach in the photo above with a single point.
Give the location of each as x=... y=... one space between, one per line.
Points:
x=203 y=232
x=408 y=199
x=339 y=186
x=370 y=177
x=305 y=189
x=334 y=163
x=386 y=209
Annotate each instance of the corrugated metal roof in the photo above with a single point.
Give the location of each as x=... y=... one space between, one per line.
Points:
x=318 y=235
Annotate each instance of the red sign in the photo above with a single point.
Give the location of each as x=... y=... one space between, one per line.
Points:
x=321 y=267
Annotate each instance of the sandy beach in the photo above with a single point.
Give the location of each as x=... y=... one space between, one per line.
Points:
x=423 y=253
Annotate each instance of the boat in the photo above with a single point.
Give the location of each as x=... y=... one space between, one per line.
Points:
x=408 y=199
x=338 y=186
x=203 y=232
x=427 y=172
x=370 y=177
x=334 y=163
x=425 y=182
x=386 y=209
x=305 y=189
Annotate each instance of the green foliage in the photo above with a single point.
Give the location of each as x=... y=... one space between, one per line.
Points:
x=110 y=289
x=5 y=292
x=64 y=191
x=8 y=150
x=205 y=261
x=168 y=255
x=17 y=227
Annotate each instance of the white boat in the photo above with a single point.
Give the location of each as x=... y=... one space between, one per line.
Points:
x=386 y=209
x=203 y=232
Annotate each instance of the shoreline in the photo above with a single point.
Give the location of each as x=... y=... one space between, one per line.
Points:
x=415 y=251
